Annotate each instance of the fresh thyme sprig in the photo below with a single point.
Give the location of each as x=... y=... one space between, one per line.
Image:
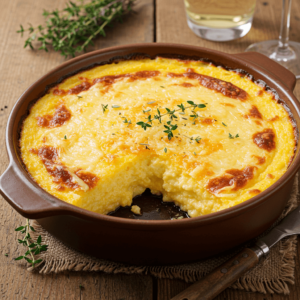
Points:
x=171 y=114
x=143 y=125
x=73 y=29
x=197 y=139
x=34 y=248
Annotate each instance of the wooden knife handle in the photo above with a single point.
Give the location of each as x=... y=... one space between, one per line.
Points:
x=222 y=277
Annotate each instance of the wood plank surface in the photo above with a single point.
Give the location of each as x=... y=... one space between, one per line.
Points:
x=171 y=27
x=20 y=68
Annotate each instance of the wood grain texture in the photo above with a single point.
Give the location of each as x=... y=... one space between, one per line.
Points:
x=220 y=278
x=20 y=68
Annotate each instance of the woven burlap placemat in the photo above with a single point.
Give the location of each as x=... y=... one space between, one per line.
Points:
x=271 y=275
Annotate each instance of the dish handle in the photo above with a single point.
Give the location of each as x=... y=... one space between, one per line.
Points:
x=26 y=200
x=284 y=75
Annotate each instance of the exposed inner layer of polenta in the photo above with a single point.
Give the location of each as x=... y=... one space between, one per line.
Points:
x=106 y=134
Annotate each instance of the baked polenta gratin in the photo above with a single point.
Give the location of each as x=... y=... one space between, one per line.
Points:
x=204 y=137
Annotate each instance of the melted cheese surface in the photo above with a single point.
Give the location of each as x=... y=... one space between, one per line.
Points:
x=212 y=162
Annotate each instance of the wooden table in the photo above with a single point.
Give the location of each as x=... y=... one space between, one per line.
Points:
x=155 y=21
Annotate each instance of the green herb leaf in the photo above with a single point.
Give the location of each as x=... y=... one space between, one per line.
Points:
x=104 y=107
x=19 y=258
x=197 y=139
x=191 y=102
x=38 y=261
x=143 y=125
x=194 y=116
x=224 y=124
x=201 y=105
x=19 y=228
x=231 y=136
x=165 y=150
x=39 y=239
x=65 y=137
x=181 y=106
x=170 y=129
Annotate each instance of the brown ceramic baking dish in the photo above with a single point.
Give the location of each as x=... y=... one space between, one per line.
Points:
x=149 y=241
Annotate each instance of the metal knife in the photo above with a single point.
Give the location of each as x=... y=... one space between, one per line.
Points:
x=222 y=277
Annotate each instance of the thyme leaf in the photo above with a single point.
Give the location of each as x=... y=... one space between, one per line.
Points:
x=233 y=137
x=104 y=107
x=143 y=125
x=170 y=128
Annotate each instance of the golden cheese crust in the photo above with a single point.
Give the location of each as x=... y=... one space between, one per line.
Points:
x=204 y=137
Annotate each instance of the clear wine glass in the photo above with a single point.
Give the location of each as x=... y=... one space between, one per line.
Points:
x=282 y=51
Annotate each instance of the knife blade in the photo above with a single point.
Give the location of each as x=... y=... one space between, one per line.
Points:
x=222 y=277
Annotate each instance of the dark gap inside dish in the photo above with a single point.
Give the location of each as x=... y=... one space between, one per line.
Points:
x=152 y=208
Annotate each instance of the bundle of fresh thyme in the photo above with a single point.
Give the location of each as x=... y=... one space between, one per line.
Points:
x=33 y=248
x=73 y=29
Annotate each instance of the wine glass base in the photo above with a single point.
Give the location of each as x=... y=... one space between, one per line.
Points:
x=289 y=57
x=220 y=34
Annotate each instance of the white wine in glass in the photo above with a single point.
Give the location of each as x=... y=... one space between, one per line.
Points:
x=283 y=51
x=220 y=20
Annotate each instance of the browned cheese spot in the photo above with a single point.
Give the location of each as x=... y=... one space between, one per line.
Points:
x=260 y=160
x=185 y=84
x=259 y=93
x=106 y=80
x=258 y=123
x=207 y=121
x=270 y=176
x=60 y=188
x=226 y=88
x=265 y=139
x=60 y=174
x=89 y=178
x=276 y=118
x=60 y=117
x=84 y=86
x=254 y=192
x=111 y=79
x=234 y=177
x=227 y=104
x=254 y=113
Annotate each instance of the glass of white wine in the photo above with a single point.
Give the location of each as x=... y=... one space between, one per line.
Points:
x=220 y=20
x=283 y=51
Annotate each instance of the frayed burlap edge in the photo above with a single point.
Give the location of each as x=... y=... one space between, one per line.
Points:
x=248 y=282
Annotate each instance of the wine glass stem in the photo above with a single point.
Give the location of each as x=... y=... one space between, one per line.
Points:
x=285 y=26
